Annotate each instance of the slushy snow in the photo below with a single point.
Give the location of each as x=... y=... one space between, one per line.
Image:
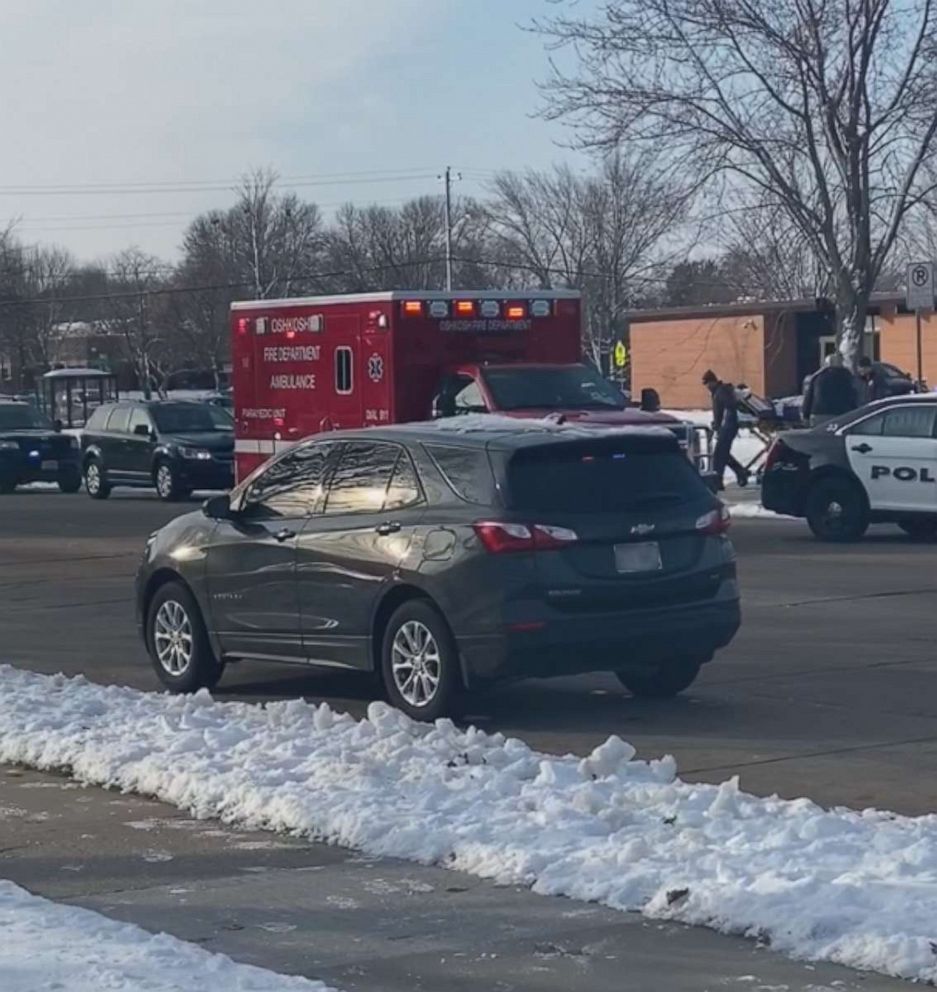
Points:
x=857 y=888
x=47 y=945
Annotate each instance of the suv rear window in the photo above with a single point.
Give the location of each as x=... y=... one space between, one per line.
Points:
x=466 y=470
x=601 y=480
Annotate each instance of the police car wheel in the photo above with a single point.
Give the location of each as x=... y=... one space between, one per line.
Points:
x=660 y=683
x=837 y=510
x=924 y=529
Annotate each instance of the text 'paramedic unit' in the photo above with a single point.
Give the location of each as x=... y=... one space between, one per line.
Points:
x=306 y=365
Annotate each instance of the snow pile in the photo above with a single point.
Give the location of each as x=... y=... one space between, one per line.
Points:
x=49 y=946
x=754 y=511
x=471 y=423
x=855 y=888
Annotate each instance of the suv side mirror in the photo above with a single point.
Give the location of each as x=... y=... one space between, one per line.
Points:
x=218 y=507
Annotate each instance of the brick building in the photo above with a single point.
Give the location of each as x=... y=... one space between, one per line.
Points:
x=770 y=347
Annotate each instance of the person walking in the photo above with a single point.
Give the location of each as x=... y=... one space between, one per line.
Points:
x=726 y=426
x=874 y=378
x=830 y=393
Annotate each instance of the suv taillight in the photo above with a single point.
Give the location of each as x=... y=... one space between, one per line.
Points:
x=500 y=537
x=776 y=453
x=714 y=522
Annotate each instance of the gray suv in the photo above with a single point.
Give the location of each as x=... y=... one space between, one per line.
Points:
x=449 y=559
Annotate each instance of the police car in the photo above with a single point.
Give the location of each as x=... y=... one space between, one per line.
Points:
x=877 y=464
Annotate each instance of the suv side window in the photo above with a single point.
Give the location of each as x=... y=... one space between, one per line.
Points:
x=404 y=489
x=139 y=417
x=362 y=477
x=466 y=470
x=118 y=419
x=293 y=485
x=98 y=419
x=910 y=421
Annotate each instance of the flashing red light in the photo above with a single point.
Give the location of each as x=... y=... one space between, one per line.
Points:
x=243 y=324
x=413 y=308
x=500 y=537
x=290 y=335
x=515 y=311
x=278 y=421
x=465 y=308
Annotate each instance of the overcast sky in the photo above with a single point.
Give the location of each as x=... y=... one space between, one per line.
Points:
x=330 y=93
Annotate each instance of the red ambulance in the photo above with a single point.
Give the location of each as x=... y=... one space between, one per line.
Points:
x=306 y=365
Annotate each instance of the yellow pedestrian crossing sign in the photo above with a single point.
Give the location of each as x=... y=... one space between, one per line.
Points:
x=621 y=354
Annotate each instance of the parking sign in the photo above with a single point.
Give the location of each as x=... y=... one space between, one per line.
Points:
x=920 y=292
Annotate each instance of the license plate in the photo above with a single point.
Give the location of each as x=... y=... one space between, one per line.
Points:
x=50 y=465
x=638 y=557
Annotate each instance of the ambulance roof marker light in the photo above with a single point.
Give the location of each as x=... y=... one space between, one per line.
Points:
x=243 y=325
x=540 y=308
x=464 y=308
x=515 y=311
x=413 y=308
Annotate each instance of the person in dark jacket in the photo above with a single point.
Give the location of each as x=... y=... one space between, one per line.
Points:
x=832 y=392
x=875 y=379
x=726 y=426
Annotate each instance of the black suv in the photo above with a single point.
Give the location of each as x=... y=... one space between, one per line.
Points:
x=446 y=559
x=176 y=446
x=32 y=449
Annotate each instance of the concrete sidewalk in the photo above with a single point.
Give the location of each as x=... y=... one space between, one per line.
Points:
x=357 y=923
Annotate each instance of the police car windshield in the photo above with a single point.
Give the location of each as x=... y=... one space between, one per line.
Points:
x=21 y=417
x=572 y=387
x=190 y=418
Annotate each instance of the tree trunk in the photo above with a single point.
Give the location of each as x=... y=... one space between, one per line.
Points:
x=850 y=326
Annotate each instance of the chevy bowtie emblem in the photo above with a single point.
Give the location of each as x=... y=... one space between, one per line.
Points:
x=641 y=529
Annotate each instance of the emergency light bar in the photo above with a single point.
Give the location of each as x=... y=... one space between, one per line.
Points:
x=413 y=308
x=489 y=309
x=515 y=311
x=465 y=308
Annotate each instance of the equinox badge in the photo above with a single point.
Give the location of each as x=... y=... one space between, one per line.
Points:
x=639 y=530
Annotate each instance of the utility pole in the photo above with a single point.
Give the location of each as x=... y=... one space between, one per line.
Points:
x=447 y=179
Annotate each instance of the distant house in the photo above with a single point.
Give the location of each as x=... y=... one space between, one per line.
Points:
x=770 y=346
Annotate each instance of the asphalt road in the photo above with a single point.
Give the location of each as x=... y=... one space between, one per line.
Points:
x=826 y=692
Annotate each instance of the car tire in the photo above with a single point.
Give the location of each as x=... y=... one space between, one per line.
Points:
x=420 y=662
x=924 y=529
x=837 y=510
x=660 y=683
x=96 y=484
x=166 y=479
x=178 y=642
x=69 y=479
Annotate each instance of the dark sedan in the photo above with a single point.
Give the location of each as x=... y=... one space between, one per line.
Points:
x=32 y=449
x=447 y=559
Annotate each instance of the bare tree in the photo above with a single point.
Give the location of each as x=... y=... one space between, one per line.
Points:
x=828 y=108
x=272 y=241
x=132 y=311
x=605 y=234
x=46 y=280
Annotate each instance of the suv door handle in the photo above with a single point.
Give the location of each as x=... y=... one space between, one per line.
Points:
x=284 y=534
x=388 y=527
x=863 y=448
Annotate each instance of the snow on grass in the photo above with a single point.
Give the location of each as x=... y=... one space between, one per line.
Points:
x=855 y=888
x=754 y=511
x=46 y=945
